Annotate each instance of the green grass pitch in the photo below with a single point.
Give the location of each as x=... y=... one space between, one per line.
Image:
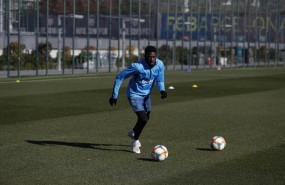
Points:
x=60 y=130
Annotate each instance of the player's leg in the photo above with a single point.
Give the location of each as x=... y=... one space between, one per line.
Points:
x=148 y=115
x=143 y=117
x=137 y=104
x=141 y=122
x=141 y=107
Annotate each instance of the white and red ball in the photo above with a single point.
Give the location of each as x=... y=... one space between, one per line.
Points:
x=159 y=153
x=218 y=143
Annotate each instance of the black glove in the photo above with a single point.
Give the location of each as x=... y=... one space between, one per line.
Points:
x=112 y=101
x=163 y=94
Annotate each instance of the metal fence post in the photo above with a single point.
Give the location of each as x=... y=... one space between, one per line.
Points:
x=37 y=36
x=8 y=37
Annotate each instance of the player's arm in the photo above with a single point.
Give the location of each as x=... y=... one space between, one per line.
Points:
x=160 y=82
x=126 y=73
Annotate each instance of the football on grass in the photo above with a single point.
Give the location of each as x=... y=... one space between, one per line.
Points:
x=218 y=143
x=159 y=153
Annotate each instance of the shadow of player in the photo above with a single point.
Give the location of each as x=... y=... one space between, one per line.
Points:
x=97 y=146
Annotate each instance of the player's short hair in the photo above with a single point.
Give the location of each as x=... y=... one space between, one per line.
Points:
x=149 y=49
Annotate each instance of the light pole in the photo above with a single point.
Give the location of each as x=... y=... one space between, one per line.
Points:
x=59 y=36
x=124 y=37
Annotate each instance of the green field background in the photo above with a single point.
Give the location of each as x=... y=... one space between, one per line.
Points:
x=61 y=130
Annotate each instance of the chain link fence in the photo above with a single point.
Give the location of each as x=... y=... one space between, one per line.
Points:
x=46 y=37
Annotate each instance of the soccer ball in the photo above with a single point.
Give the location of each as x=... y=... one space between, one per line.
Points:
x=159 y=153
x=218 y=143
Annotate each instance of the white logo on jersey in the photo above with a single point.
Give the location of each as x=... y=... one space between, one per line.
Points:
x=147 y=82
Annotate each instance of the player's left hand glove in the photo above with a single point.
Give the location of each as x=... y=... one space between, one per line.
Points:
x=112 y=101
x=163 y=94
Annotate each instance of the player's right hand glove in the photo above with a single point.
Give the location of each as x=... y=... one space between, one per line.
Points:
x=163 y=94
x=112 y=101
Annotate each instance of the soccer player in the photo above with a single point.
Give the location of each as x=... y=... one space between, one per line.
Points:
x=145 y=73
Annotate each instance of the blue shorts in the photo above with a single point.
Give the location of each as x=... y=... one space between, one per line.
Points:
x=140 y=103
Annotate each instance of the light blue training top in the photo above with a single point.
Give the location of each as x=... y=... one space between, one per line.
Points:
x=143 y=79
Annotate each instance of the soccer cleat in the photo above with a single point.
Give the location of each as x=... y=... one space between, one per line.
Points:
x=139 y=143
x=136 y=146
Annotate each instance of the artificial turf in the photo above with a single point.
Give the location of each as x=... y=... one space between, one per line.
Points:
x=63 y=131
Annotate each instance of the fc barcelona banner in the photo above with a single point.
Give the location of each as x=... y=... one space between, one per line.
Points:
x=201 y=27
x=227 y=28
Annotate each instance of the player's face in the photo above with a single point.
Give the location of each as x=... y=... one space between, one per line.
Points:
x=150 y=58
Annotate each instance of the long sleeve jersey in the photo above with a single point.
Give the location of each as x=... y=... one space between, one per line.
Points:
x=143 y=79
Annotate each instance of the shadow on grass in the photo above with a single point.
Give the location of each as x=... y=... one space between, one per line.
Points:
x=205 y=149
x=147 y=159
x=96 y=146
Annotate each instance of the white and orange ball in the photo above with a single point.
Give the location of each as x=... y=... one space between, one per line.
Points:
x=218 y=143
x=159 y=153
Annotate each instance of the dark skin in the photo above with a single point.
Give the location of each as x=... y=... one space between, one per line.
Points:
x=150 y=58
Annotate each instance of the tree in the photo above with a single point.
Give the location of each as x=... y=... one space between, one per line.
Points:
x=80 y=59
x=181 y=54
x=165 y=53
x=66 y=56
x=89 y=48
x=43 y=52
x=16 y=50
